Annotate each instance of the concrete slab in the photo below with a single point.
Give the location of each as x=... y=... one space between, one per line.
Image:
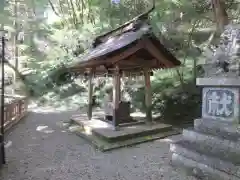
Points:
x=131 y=130
x=105 y=130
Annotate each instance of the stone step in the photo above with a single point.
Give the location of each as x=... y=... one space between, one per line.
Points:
x=218 y=128
x=131 y=132
x=106 y=132
x=103 y=145
x=202 y=171
x=227 y=149
x=190 y=151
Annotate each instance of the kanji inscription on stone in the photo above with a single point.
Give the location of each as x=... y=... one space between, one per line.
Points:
x=220 y=103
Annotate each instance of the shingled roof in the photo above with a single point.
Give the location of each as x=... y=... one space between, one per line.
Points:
x=132 y=50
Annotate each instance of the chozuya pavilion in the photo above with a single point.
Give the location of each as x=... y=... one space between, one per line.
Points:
x=131 y=48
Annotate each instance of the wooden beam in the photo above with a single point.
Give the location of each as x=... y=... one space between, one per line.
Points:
x=90 y=94
x=158 y=55
x=138 y=62
x=134 y=60
x=113 y=59
x=148 y=96
x=116 y=97
x=126 y=53
x=126 y=70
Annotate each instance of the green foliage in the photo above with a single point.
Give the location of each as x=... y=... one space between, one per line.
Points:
x=179 y=106
x=56 y=33
x=175 y=102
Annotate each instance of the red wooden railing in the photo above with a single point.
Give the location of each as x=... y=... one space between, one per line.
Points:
x=15 y=109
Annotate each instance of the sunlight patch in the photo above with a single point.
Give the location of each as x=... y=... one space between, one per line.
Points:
x=44 y=129
x=73 y=128
x=8 y=144
x=166 y=140
x=88 y=131
x=40 y=128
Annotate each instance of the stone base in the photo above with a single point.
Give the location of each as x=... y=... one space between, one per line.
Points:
x=200 y=170
x=211 y=150
x=106 y=132
x=102 y=136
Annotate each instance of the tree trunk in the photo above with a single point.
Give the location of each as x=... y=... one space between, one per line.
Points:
x=220 y=14
x=15 y=22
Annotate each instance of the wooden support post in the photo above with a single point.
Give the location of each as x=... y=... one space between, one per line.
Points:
x=148 y=96
x=116 y=97
x=90 y=94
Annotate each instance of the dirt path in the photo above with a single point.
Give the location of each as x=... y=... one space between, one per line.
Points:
x=39 y=149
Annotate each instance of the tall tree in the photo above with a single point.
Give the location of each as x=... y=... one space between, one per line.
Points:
x=15 y=39
x=220 y=14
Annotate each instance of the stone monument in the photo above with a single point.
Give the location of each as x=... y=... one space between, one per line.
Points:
x=211 y=150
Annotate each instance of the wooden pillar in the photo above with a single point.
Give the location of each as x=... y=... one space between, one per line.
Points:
x=148 y=95
x=116 y=97
x=90 y=94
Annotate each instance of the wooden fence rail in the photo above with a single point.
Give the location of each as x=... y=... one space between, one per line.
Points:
x=15 y=109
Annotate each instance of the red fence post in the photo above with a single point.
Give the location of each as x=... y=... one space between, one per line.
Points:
x=14 y=110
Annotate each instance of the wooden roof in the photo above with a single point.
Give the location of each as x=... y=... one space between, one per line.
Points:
x=132 y=50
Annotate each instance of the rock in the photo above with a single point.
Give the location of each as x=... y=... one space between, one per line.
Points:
x=224 y=61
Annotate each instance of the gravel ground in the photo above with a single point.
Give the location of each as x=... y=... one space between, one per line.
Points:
x=39 y=149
